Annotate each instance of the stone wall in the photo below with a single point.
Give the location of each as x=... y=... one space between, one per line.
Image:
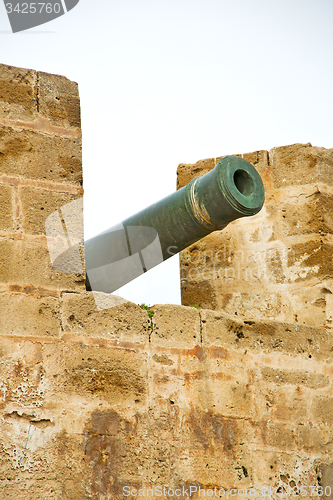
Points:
x=94 y=404
x=277 y=264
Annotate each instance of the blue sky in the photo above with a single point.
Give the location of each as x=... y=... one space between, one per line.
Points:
x=169 y=82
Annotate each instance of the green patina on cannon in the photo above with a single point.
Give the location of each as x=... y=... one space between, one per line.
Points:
x=233 y=189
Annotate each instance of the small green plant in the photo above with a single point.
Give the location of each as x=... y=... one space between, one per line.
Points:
x=194 y=305
x=150 y=312
x=151 y=325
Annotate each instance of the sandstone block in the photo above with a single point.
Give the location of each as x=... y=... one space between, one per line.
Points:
x=234 y=399
x=287 y=403
x=278 y=435
x=108 y=373
x=199 y=293
x=59 y=100
x=314 y=440
x=38 y=204
x=306 y=214
x=278 y=472
x=27 y=262
x=261 y=162
x=18 y=93
x=32 y=155
x=296 y=377
x=300 y=164
x=6 y=207
x=284 y=306
x=187 y=172
x=231 y=266
x=125 y=322
x=175 y=325
x=266 y=336
x=24 y=314
x=22 y=382
x=322 y=410
x=14 y=488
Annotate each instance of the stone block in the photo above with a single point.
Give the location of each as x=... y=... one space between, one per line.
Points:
x=295 y=377
x=300 y=164
x=113 y=374
x=278 y=472
x=287 y=306
x=314 y=439
x=278 y=435
x=14 y=488
x=306 y=214
x=59 y=100
x=322 y=409
x=32 y=155
x=199 y=293
x=223 y=330
x=125 y=322
x=260 y=161
x=276 y=402
x=22 y=382
x=233 y=399
x=261 y=283
x=27 y=262
x=6 y=208
x=38 y=204
x=308 y=259
x=175 y=325
x=25 y=314
x=18 y=93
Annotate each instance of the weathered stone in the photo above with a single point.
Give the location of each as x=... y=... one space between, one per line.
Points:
x=300 y=164
x=185 y=326
x=18 y=93
x=267 y=336
x=24 y=314
x=113 y=374
x=314 y=439
x=296 y=377
x=27 y=262
x=287 y=404
x=59 y=100
x=38 y=204
x=322 y=409
x=6 y=207
x=125 y=322
x=32 y=155
x=187 y=172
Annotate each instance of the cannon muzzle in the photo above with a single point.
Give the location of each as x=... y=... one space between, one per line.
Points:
x=233 y=189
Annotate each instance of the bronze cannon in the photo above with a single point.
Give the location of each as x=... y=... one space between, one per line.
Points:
x=231 y=190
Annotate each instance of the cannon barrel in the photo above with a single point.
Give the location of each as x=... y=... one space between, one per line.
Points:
x=233 y=189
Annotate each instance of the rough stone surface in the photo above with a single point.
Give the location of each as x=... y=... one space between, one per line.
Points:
x=6 y=207
x=276 y=265
x=59 y=100
x=18 y=93
x=36 y=155
x=93 y=402
x=38 y=204
x=26 y=261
